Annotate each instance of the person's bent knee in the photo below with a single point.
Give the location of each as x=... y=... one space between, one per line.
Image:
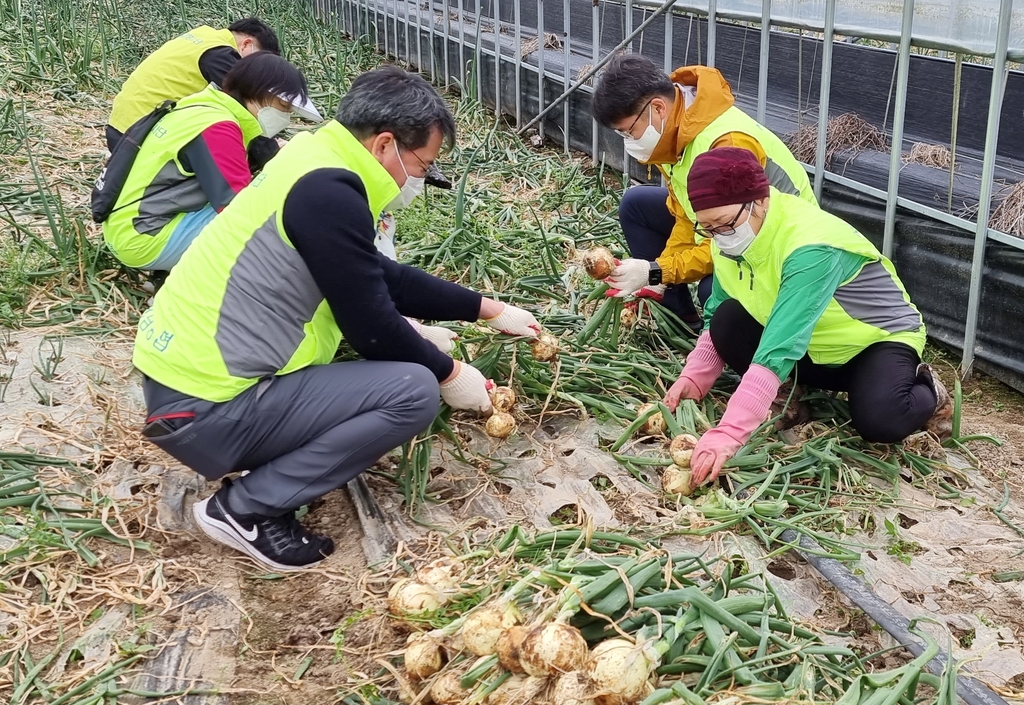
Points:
x=876 y=430
x=418 y=394
x=729 y=317
x=632 y=204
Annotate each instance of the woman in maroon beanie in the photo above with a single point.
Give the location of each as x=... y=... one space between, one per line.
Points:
x=799 y=292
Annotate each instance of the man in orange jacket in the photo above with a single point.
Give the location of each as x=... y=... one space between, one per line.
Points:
x=667 y=121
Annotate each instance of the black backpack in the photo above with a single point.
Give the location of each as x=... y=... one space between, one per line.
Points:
x=111 y=180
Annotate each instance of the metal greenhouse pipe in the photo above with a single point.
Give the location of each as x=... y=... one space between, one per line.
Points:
x=662 y=9
x=900 y=113
x=712 y=30
x=762 y=66
x=995 y=105
x=824 y=94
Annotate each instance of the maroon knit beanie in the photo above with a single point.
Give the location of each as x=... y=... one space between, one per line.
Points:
x=725 y=176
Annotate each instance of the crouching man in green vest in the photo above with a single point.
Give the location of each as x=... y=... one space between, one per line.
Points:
x=799 y=291
x=236 y=350
x=183 y=66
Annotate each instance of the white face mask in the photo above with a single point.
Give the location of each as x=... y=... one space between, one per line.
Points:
x=413 y=187
x=737 y=243
x=273 y=120
x=642 y=149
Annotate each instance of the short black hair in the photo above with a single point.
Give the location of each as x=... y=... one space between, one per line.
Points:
x=627 y=82
x=258 y=30
x=391 y=99
x=261 y=76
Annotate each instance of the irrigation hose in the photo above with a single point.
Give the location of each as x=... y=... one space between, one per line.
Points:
x=970 y=690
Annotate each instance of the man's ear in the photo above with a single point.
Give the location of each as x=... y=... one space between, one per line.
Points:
x=380 y=144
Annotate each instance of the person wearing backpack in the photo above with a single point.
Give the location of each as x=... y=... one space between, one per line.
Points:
x=183 y=66
x=193 y=161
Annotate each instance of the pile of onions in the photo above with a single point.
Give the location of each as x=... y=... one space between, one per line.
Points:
x=553 y=648
x=544 y=347
x=598 y=262
x=409 y=598
x=619 y=671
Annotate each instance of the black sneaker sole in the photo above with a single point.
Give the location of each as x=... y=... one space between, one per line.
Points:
x=224 y=533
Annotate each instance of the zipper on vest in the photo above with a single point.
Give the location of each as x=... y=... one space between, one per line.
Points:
x=740 y=262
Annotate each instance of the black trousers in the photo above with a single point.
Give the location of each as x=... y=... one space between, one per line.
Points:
x=888 y=401
x=647 y=224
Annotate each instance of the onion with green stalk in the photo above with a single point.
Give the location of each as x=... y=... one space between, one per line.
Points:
x=411 y=598
x=423 y=655
x=484 y=626
x=555 y=647
x=443 y=574
x=620 y=669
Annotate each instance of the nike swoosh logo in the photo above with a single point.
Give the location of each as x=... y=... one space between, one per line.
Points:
x=249 y=535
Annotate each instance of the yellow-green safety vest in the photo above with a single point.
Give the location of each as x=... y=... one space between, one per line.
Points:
x=159 y=190
x=241 y=304
x=169 y=73
x=870 y=307
x=782 y=169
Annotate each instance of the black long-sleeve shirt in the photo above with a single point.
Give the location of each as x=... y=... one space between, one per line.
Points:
x=328 y=219
x=215 y=62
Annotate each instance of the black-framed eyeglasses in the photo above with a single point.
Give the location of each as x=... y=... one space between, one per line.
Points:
x=629 y=133
x=727 y=229
x=426 y=167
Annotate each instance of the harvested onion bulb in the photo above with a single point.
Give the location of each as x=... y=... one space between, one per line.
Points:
x=503 y=398
x=518 y=690
x=483 y=627
x=442 y=574
x=627 y=318
x=655 y=423
x=508 y=647
x=681 y=449
x=619 y=670
x=408 y=598
x=422 y=656
x=447 y=690
x=598 y=262
x=544 y=347
x=553 y=648
x=572 y=688
x=500 y=425
x=677 y=480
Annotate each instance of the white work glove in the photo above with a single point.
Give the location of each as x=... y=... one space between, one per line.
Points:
x=467 y=390
x=440 y=338
x=515 y=321
x=628 y=277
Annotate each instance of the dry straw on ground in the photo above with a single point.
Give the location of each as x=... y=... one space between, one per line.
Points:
x=1008 y=217
x=845 y=132
x=551 y=41
x=936 y=155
